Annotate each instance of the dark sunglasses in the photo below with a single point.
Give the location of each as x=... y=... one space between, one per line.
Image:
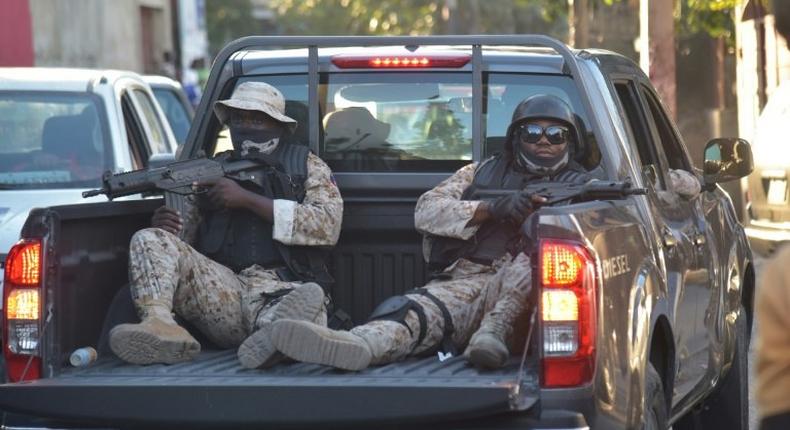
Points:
x=555 y=134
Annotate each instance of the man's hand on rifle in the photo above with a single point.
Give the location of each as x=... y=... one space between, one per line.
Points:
x=226 y=193
x=167 y=219
x=515 y=207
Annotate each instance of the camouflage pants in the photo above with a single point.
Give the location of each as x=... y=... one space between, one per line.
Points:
x=475 y=295
x=166 y=274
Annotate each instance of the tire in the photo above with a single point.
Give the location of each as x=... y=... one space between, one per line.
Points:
x=655 y=415
x=727 y=408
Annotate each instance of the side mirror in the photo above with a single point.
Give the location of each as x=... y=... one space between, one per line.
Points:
x=727 y=159
x=159 y=160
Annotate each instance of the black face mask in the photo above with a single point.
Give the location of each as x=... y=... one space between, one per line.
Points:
x=240 y=134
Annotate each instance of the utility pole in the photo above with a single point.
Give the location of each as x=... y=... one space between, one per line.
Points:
x=578 y=23
x=657 y=48
x=450 y=16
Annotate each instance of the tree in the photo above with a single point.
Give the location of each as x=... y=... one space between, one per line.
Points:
x=420 y=17
x=358 y=17
x=227 y=20
x=657 y=48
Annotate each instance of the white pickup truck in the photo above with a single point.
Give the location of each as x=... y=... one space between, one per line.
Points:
x=60 y=129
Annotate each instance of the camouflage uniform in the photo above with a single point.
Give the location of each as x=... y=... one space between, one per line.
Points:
x=472 y=292
x=684 y=183
x=167 y=273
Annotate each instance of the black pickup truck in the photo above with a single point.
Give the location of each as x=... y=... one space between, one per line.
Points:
x=656 y=334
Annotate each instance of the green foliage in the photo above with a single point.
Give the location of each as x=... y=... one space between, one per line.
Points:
x=419 y=17
x=714 y=17
x=356 y=17
x=227 y=20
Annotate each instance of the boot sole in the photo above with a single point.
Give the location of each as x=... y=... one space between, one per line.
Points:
x=257 y=350
x=304 y=303
x=142 y=347
x=486 y=359
x=299 y=340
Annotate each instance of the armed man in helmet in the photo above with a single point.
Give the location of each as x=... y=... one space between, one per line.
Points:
x=484 y=287
x=250 y=253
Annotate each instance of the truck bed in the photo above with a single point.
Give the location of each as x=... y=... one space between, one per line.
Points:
x=215 y=390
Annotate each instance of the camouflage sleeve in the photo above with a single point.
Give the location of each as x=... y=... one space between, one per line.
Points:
x=684 y=183
x=441 y=212
x=316 y=221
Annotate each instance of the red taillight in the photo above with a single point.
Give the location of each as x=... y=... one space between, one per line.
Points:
x=561 y=265
x=346 y=61
x=22 y=311
x=568 y=277
x=22 y=265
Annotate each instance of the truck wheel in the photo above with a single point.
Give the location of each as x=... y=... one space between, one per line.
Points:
x=728 y=406
x=655 y=416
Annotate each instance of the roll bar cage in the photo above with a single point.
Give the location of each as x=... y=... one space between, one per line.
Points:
x=312 y=43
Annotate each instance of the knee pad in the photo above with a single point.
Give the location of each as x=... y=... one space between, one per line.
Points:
x=395 y=309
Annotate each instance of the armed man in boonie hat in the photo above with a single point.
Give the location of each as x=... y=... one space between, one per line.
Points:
x=244 y=255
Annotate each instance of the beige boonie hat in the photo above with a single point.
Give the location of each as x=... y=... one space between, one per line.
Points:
x=255 y=96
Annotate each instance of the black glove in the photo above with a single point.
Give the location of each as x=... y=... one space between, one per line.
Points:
x=513 y=207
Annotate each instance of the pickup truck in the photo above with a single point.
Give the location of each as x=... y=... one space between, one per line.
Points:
x=656 y=333
x=767 y=214
x=174 y=103
x=60 y=129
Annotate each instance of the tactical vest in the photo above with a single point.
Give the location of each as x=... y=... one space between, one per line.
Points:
x=238 y=238
x=493 y=239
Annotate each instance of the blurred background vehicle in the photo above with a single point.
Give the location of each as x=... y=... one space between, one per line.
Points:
x=174 y=103
x=60 y=129
x=767 y=208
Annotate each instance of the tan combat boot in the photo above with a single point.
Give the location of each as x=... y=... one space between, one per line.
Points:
x=157 y=339
x=487 y=348
x=377 y=342
x=305 y=303
x=312 y=343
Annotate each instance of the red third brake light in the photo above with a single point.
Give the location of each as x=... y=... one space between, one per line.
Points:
x=22 y=311
x=355 y=61
x=568 y=279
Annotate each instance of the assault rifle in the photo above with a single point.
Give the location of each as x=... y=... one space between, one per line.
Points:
x=177 y=177
x=558 y=192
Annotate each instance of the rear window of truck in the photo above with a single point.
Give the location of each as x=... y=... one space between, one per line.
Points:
x=410 y=122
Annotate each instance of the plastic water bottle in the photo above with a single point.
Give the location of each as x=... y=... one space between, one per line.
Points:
x=83 y=356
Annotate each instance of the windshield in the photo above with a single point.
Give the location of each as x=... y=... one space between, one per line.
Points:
x=415 y=121
x=52 y=140
x=175 y=111
x=397 y=121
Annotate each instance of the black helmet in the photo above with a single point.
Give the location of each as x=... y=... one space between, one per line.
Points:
x=542 y=107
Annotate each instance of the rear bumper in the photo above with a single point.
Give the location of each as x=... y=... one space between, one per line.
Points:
x=548 y=420
x=559 y=419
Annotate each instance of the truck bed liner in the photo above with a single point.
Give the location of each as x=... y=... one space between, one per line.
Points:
x=215 y=390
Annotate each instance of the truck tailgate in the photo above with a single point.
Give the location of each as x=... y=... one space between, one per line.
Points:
x=215 y=390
